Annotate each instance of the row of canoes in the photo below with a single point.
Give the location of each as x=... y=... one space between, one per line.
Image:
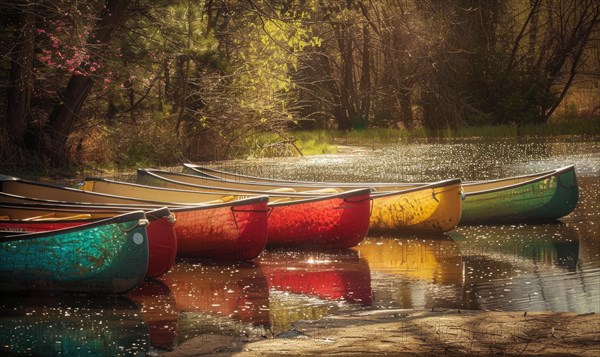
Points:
x=538 y=197
x=106 y=236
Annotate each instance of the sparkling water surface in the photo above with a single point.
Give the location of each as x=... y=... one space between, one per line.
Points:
x=549 y=267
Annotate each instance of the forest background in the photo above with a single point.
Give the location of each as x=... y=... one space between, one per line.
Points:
x=114 y=83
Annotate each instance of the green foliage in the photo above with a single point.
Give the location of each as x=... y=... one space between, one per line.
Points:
x=217 y=79
x=274 y=145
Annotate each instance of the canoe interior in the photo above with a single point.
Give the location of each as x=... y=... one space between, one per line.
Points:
x=184 y=193
x=211 y=175
x=273 y=188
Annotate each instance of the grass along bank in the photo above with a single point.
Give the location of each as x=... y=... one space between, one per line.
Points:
x=324 y=141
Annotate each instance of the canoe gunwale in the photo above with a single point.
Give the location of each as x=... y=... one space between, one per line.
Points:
x=466 y=184
x=132 y=184
x=444 y=184
x=151 y=215
x=127 y=217
x=533 y=178
x=299 y=199
x=118 y=207
x=313 y=197
x=142 y=205
x=156 y=174
x=343 y=195
x=260 y=180
x=183 y=207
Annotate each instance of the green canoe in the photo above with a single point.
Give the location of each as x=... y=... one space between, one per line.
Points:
x=107 y=256
x=538 y=197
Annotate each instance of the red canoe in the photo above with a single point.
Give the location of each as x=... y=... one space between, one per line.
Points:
x=234 y=230
x=335 y=221
x=162 y=243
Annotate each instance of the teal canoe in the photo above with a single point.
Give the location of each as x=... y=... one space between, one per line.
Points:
x=538 y=197
x=108 y=256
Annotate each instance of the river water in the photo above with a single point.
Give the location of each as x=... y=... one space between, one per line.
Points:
x=549 y=267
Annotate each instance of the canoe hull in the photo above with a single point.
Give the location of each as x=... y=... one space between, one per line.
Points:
x=162 y=242
x=339 y=221
x=332 y=223
x=224 y=233
x=541 y=200
x=435 y=208
x=104 y=258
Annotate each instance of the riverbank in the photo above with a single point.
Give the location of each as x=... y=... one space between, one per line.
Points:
x=412 y=332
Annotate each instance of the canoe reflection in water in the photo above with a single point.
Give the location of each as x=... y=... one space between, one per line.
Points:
x=308 y=285
x=556 y=245
x=236 y=290
x=433 y=258
x=339 y=275
x=528 y=268
x=197 y=298
x=71 y=326
x=159 y=309
x=413 y=271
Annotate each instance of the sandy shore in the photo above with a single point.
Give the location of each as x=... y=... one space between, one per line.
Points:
x=410 y=332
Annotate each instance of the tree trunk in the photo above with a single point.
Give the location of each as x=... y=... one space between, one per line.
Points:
x=185 y=75
x=66 y=114
x=365 y=80
x=168 y=93
x=406 y=108
x=21 y=77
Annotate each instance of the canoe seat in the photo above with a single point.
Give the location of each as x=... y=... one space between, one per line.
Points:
x=283 y=189
x=331 y=190
x=37 y=218
x=227 y=198
x=212 y=202
x=279 y=199
x=65 y=218
x=220 y=200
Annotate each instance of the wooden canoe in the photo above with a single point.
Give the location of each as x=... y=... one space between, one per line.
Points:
x=543 y=196
x=234 y=230
x=433 y=207
x=38 y=217
x=107 y=256
x=338 y=220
